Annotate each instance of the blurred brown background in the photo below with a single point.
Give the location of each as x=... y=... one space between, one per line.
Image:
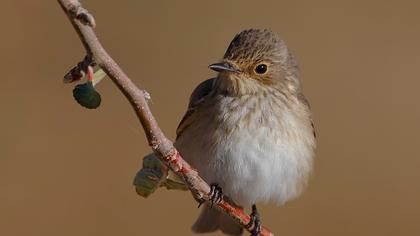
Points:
x=66 y=170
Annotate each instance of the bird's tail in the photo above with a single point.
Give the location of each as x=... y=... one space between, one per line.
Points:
x=211 y=220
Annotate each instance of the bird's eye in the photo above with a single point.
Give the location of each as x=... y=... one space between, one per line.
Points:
x=261 y=69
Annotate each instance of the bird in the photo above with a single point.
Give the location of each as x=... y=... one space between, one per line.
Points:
x=249 y=131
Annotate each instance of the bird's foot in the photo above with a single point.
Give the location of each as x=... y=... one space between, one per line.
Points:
x=255 y=221
x=216 y=194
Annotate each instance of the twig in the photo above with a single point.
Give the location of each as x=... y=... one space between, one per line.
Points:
x=163 y=148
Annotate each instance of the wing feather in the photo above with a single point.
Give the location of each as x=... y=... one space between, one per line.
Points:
x=197 y=97
x=305 y=101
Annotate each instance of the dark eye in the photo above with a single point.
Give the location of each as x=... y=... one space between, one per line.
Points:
x=261 y=69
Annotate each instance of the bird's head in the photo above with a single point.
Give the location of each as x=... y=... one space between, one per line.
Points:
x=257 y=58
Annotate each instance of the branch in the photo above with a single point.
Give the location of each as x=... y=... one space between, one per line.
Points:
x=83 y=22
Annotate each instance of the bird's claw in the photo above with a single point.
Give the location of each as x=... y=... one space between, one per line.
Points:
x=255 y=221
x=216 y=194
x=200 y=202
x=257 y=228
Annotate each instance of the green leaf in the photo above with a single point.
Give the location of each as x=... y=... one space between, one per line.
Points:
x=86 y=95
x=154 y=175
x=147 y=181
x=150 y=177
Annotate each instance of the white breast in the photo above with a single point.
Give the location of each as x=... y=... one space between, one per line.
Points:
x=254 y=147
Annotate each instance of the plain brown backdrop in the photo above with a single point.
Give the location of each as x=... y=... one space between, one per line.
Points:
x=66 y=170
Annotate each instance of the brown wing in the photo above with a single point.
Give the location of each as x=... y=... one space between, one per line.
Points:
x=305 y=101
x=197 y=97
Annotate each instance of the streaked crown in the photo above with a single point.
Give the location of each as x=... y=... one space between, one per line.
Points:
x=257 y=44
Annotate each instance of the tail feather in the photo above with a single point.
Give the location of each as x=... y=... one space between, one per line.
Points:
x=229 y=226
x=211 y=220
x=208 y=221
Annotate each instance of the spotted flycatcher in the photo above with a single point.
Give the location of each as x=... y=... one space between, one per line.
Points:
x=249 y=131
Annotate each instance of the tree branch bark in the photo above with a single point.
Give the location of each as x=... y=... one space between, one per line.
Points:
x=83 y=22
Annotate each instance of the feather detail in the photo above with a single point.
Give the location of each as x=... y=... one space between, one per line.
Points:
x=197 y=96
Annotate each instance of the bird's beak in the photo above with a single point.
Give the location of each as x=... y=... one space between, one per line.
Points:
x=223 y=67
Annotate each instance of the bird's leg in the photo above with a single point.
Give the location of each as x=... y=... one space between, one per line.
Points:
x=255 y=221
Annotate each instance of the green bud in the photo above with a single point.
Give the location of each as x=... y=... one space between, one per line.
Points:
x=86 y=95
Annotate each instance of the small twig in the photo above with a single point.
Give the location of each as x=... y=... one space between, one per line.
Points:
x=162 y=146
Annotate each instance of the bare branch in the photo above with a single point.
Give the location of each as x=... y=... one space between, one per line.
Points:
x=163 y=148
